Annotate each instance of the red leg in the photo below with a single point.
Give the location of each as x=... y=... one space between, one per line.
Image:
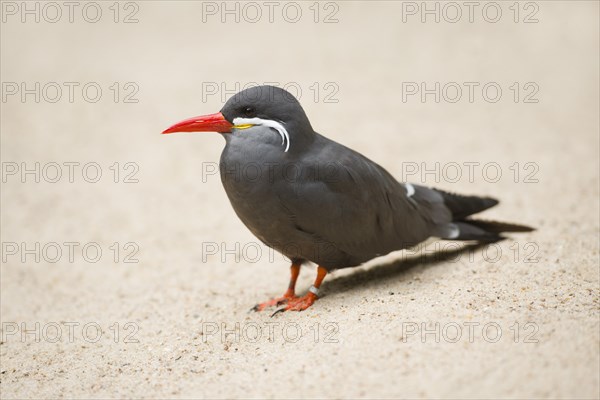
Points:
x=302 y=303
x=288 y=295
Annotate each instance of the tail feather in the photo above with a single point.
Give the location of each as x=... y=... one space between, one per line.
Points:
x=462 y=206
x=485 y=231
x=467 y=231
x=464 y=228
x=498 y=226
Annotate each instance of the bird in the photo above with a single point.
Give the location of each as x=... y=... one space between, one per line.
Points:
x=317 y=201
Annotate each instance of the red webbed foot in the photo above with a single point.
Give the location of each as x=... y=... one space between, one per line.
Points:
x=274 y=302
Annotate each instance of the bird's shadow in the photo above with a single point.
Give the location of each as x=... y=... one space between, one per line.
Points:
x=400 y=268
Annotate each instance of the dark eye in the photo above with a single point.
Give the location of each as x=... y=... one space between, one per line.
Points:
x=248 y=110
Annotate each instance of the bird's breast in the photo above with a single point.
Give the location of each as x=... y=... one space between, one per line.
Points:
x=253 y=172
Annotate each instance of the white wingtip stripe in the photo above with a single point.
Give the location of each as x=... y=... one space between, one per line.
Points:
x=271 y=124
x=454 y=232
x=410 y=189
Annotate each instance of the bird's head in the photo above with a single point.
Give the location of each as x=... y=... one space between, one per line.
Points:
x=268 y=106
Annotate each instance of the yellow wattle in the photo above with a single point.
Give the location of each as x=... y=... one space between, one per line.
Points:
x=245 y=126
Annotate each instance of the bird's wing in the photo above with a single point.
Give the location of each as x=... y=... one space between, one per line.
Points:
x=355 y=204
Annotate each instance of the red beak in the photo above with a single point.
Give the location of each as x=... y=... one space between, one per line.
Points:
x=205 y=123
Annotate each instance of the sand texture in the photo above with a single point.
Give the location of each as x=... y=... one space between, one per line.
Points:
x=162 y=312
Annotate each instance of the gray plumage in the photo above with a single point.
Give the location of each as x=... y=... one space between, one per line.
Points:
x=323 y=202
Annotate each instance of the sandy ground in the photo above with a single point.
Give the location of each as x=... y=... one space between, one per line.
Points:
x=164 y=312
